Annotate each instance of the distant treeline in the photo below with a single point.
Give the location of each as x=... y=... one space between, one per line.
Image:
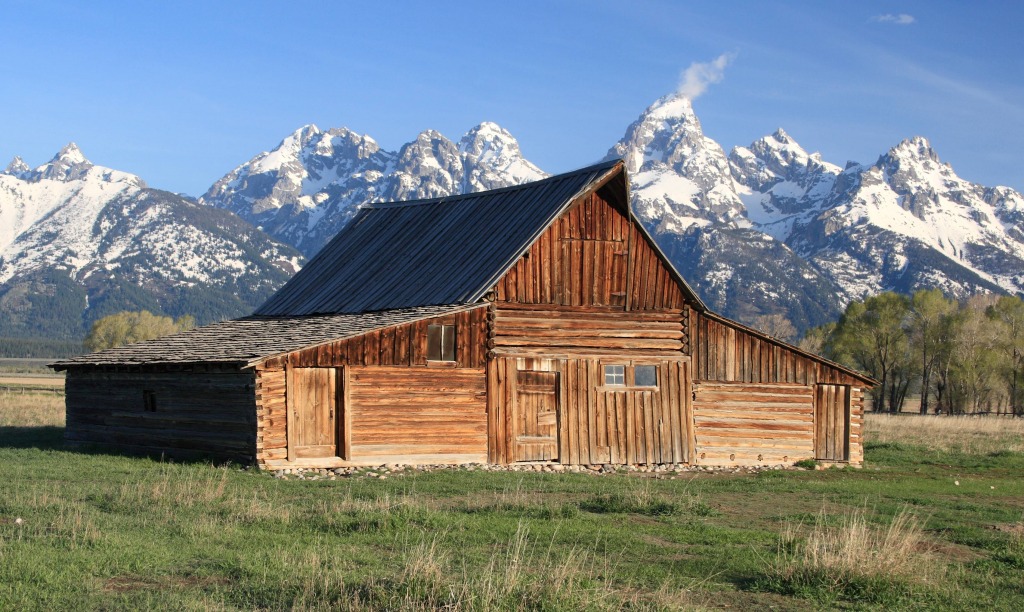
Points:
x=962 y=357
x=39 y=348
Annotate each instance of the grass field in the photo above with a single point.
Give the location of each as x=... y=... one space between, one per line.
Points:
x=935 y=520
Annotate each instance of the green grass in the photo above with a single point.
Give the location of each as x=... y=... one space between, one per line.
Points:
x=101 y=531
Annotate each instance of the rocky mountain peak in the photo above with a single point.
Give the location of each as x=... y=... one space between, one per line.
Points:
x=681 y=178
x=492 y=158
x=17 y=167
x=67 y=165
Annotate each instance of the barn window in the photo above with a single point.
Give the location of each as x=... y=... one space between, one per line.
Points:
x=441 y=343
x=149 y=401
x=615 y=375
x=645 y=376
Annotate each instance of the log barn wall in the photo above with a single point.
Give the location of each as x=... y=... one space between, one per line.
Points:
x=399 y=351
x=757 y=400
x=597 y=424
x=423 y=415
x=187 y=412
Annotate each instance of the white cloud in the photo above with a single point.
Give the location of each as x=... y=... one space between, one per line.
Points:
x=901 y=19
x=697 y=78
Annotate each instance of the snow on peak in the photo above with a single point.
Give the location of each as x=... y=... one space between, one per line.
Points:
x=17 y=167
x=917 y=147
x=673 y=106
x=71 y=154
x=680 y=177
x=68 y=164
x=492 y=159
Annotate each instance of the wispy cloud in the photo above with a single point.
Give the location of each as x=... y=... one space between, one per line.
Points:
x=900 y=19
x=696 y=79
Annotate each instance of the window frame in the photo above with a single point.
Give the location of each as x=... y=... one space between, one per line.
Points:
x=620 y=375
x=442 y=341
x=654 y=371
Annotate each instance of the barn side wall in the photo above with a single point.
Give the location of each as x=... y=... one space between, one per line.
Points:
x=389 y=380
x=755 y=400
x=187 y=413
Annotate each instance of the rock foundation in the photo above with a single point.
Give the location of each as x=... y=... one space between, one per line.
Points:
x=383 y=472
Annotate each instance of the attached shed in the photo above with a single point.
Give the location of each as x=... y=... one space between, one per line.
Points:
x=533 y=323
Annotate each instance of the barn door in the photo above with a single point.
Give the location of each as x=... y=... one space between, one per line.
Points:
x=832 y=423
x=536 y=417
x=312 y=395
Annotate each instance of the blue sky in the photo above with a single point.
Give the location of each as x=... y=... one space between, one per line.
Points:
x=180 y=92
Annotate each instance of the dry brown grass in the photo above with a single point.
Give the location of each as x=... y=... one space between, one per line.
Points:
x=854 y=546
x=28 y=409
x=965 y=434
x=852 y=559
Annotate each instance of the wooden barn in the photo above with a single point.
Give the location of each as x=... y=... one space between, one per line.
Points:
x=536 y=323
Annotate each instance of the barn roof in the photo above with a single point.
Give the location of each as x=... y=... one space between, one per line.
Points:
x=248 y=340
x=449 y=250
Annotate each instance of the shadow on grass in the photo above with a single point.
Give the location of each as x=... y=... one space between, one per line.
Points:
x=46 y=437
x=51 y=438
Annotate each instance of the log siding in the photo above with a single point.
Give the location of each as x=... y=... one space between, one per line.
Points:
x=191 y=413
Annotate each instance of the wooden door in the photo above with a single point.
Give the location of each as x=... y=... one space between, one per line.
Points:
x=312 y=412
x=832 y=423
x=536 y=416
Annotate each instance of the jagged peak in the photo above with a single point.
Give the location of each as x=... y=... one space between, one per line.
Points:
x=488 y=129
x=672 y=106
x=70 y=154
x=68 y=164
x=17 y=167
x=485 y=136
x=430 y=136
x=916 y=147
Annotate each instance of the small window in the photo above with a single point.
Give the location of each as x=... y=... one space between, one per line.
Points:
x=441 y=343
x=149 y=401
x=615 y=375
x=645 y=376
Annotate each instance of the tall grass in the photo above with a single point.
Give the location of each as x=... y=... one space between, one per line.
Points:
x=851 y=559
x=20 y=409
x=961 y=434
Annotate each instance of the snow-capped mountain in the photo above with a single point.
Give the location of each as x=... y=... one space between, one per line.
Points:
x=79 y=241
x=304 y=190
x=908 y=222
x=774 y=228
x=778 y=181
x=683 y=190
x=679 y=177
x=770 y=228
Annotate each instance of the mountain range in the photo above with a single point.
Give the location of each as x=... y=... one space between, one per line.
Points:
x=767 y=228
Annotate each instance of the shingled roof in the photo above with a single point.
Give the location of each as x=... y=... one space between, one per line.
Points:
x=448 y=250
x=246 y=341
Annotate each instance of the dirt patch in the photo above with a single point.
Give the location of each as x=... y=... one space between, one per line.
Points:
x=1011 y=528
x=948 y=551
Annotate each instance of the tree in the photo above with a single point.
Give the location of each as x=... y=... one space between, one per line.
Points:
x=816 y=339
x=871 y=336
x=777 y=326
x=929 y=334
x=128 y=327
x=973 y=361
x=1008 y=314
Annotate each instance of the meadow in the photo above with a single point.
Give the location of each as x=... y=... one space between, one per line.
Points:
x=934 y=520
